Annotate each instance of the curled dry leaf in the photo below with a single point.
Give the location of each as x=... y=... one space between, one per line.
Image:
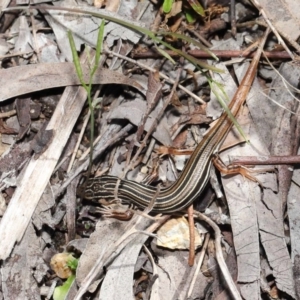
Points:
x=59 y=264
x=174 y=234
x=32 y=78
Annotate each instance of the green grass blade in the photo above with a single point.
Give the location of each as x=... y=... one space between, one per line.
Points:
x=220 y=98
x=140 y=29
x=190 y=40
x=197 y=7
x=165 y=54
x=198 y=63
x=99 y=43
x=75 y=57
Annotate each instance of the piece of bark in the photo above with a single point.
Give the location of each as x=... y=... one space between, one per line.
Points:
x=42 y=139
x=23 y=113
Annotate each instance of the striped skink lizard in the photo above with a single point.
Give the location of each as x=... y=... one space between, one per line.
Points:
x=195 y=175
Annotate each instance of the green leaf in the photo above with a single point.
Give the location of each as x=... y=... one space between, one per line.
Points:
x=167 y=6
x=165 y=54
x=75 y=57
x=190 y=16
x=197 y=7
x=99 y=43
x=72 y=263
x=216 y=88
x=190 y=40
x=198 y=63
x=61 y=292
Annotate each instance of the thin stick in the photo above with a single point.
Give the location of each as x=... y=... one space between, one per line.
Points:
x=219 y=53
x=8 y=114
x=266 y=160
x=192 y=235
x=199 y=264
x=154 y=70
x=85 y=122
x=219 y=255
x=199 y=36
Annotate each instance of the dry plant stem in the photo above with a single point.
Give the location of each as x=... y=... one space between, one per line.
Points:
x=199 y=36
x=276 y=102
x=151 y=260
x=160 y=74
x=86 y=120
x=289 y=87
x=149 y=151
x=97 y=151
x=219 y=53
x=266 y=160
x=250 y=48
x=113 y=252
x=199 y=264
x=232 y=18
x=219 y=256
x=62 y=161
x=152 y=288
x=152 y=101
x=8 y=114
x=34 y=30
x=97 y=92
x=154 y=268
x=129 y=151
x=251 y=23
x=190 y=212
x=15 y=54
x=145 y=215
x=87 y=151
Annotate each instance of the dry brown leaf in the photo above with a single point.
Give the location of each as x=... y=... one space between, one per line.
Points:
x=23 y=112
x=284 y=15
x=134 y=111
x=32 y=78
